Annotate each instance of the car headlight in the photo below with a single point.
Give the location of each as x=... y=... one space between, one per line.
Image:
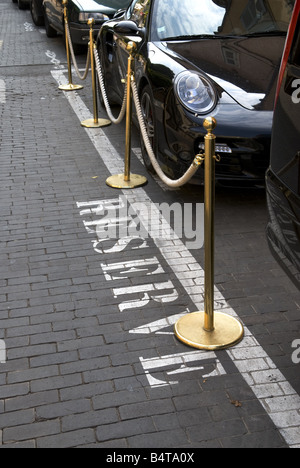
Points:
x=98 y=17
x=195 y=92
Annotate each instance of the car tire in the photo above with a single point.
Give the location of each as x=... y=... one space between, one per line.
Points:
x=147 y=105
x=50 y=32
x=36 y=13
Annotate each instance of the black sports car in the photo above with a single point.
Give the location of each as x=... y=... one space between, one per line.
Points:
x=197 y=58
x=79 y=12
x=283 y=176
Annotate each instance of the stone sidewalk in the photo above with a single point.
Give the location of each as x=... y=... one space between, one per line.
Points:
x=91 y=358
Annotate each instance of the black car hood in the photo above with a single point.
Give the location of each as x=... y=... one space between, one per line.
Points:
x=246 y=68
x=94 y=6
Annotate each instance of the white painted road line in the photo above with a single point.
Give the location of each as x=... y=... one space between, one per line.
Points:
x=2 y=92
x=276 y=395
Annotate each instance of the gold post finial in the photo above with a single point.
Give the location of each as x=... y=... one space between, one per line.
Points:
x=210 y=124
x=91 y=22
x=131 y=47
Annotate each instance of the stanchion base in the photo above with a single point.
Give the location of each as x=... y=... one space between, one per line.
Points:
x=119 y=182
x=70 y=87
x=90 y=123
x=228 y=331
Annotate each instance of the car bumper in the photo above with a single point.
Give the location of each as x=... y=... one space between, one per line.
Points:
x=80 y=33
x=243 y=160
x=244 y=135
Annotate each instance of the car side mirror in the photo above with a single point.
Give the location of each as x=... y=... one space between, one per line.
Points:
x=128 y=28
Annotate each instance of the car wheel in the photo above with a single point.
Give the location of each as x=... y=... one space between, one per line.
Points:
x=147 y=105
x=36 y=13
x=51 y=32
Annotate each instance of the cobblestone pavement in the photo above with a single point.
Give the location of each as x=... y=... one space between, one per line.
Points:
x=88 y=356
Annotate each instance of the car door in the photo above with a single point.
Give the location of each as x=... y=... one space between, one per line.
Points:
x=138 y=13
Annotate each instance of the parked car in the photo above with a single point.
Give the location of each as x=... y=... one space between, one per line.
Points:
x=79 y=11
x=283 y=176
x=22 y=4
x=194 y=59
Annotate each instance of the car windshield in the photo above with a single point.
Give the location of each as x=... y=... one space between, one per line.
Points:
x=180 y=19
x=115 y=4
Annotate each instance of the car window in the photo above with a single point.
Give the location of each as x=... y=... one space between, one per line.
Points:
x=139 y=11
x=177 y=18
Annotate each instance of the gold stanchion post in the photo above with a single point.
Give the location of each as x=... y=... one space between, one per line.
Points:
x=95 y=122
x=128 y=180
x=209 y=330
x=70 y=86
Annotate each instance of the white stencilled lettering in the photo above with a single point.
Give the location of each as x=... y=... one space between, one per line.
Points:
x=119 y=245
x=121 y=270
x=159 y=370
x=111 y=226
x=148 y=292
